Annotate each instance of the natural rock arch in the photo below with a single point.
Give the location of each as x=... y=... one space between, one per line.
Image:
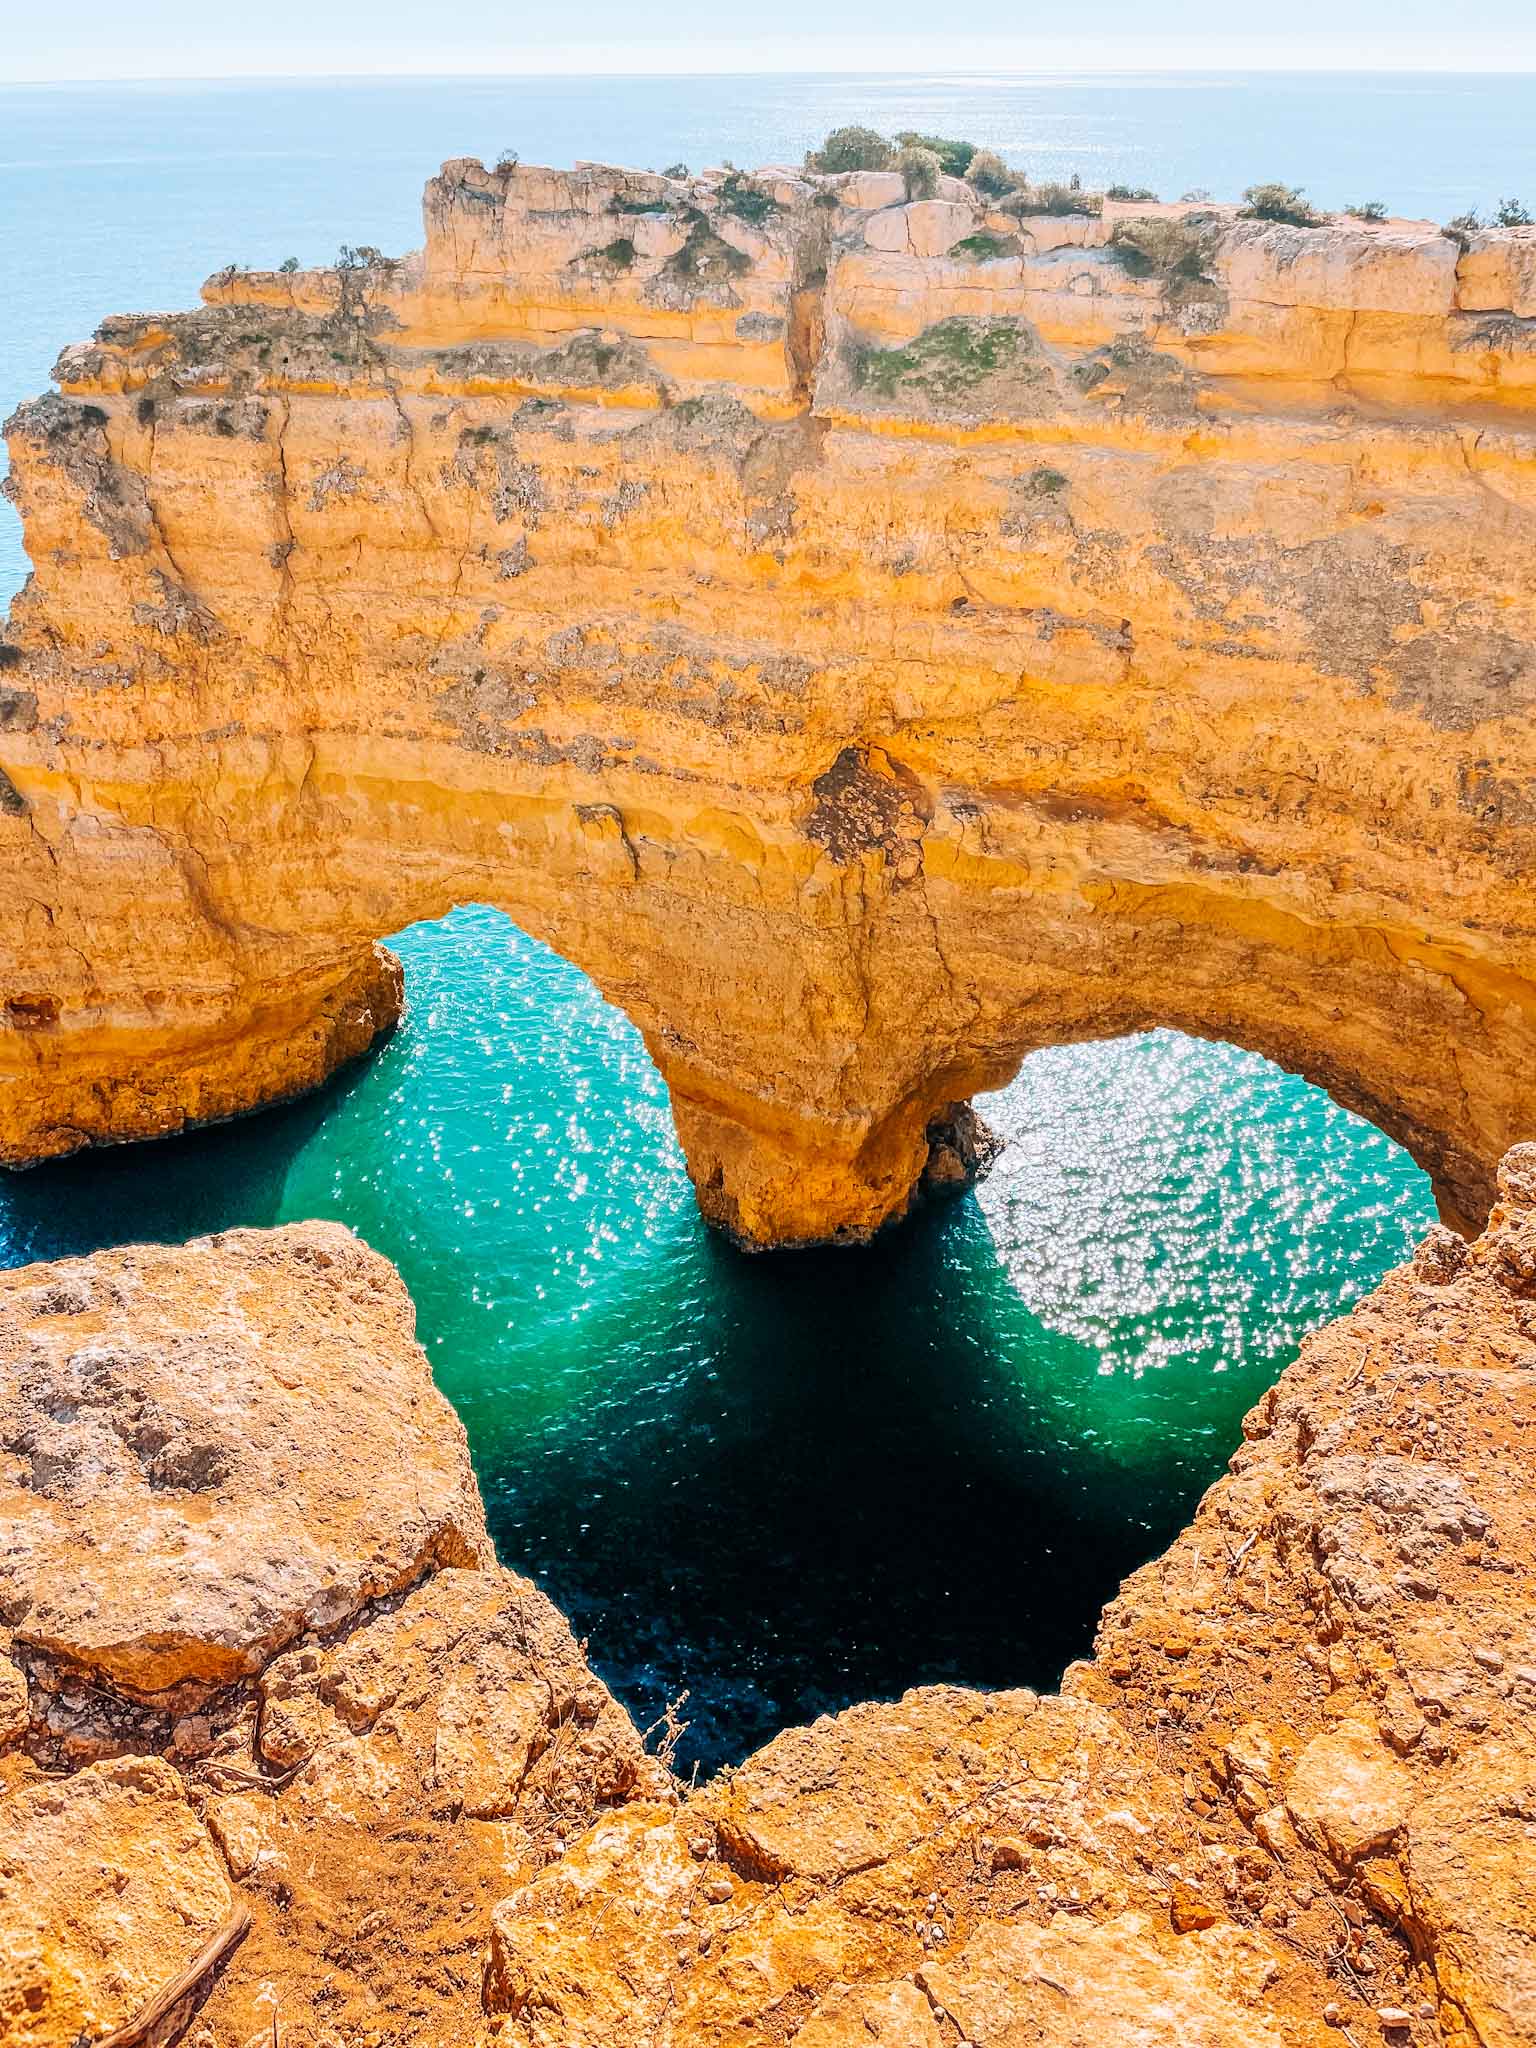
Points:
x=868 y=664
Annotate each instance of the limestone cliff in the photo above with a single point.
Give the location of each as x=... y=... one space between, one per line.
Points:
x=277 y=1733
x=872 y=639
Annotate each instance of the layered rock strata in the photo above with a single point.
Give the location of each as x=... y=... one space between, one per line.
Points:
x=293 y=1706
x=872 y=639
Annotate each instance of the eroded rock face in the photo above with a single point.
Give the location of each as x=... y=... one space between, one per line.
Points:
x=213 y=1450
x=872 y=640
x=109 y=1889
x=275 y=1673
x=1341 y=1650
x=936 y=1863
x=1292 y=1799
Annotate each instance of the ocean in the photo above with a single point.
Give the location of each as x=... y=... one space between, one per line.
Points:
x=778 y=1484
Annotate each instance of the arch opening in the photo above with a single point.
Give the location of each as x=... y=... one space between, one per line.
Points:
x=788 y=1484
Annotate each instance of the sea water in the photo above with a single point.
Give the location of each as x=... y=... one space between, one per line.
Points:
x=777 y=1483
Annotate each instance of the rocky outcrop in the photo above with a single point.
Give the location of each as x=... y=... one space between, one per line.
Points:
x=1342 y=1648
x=873 y=640
x=1291 y=1800
x=270 y=1704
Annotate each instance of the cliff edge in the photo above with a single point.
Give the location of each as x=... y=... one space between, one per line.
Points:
x=872 y=638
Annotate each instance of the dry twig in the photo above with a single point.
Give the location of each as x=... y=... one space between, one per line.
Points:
x=208 y=1958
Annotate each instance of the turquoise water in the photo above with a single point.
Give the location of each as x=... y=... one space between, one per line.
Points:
x=778 y=1483
x=785 y=1483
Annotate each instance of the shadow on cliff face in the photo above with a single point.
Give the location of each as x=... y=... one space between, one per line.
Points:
x=787 y=1483
x=224 y=1176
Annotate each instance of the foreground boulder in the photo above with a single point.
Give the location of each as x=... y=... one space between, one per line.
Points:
x=256 y=1623
x=110 y=1889
x=1292 y=1799
x=213 y=1451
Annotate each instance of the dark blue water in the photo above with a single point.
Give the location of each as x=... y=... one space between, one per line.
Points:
x=779 y=1483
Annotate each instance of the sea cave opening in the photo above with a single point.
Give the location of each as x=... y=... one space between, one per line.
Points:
x=784 y=1484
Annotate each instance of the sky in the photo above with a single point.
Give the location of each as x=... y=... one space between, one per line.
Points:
x=102 y=39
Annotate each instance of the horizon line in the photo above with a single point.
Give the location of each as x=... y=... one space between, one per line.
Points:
x=417 y=75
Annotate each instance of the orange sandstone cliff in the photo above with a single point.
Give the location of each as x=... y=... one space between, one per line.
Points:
x=872 y=639
x=285 y=1755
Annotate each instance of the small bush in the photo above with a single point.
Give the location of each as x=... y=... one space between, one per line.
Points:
x=1054 y=198
x=955 y=158
x=1511 y=214
x=984 y=248
x=619 y=255
x=1284 y=203
x=675 y=171
x=852 y=149
x=739 y=196
x=989 y=174
x=1462 y=225
x=507 y=161
x=946 y=361
x=288 y=266
x=1371 y=210
x=1195 y=196
x=922 y=170
x=1175 y=252
x=1131 y=192
x=1158 y=248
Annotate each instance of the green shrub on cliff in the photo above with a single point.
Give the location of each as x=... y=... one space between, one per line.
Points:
x=738 y=195
x=1284 y=203
x=1054 y=198
x=1372 y=210
x=954 y=157
x=1131 y=192
x=1176 y=252
x=945 y=360
x=1158 y=248
x=852 y=149
x=1511 y=214
x=921 y=170
x=985 y=248
x=990 y=175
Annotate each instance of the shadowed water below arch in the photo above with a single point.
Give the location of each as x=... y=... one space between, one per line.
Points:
x=787 y=1483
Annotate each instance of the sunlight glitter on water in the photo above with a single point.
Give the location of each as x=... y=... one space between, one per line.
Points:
x=711 y=1461
x=1159 y=1197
